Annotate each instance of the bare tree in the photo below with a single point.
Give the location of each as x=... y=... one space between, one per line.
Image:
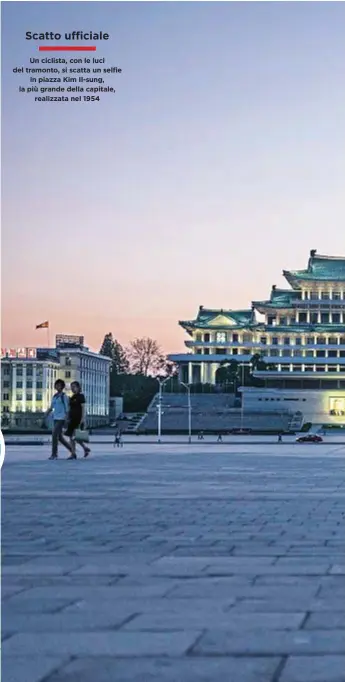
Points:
x=170 y=369
x=145 y=356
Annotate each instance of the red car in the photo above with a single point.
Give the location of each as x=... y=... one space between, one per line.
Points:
x=311 y=438
x=244 y=432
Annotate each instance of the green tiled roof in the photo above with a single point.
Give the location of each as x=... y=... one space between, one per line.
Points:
x=280 y=298
x=240 y=316
x=237 y=319
x=320 y=268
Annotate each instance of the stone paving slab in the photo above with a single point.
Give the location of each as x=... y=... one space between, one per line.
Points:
x=48 y=605
x=240 y=588
x=40 y=567
x=314 y=669
x=230 y=621
x=79 y=592
x=9 y=590
x=278 y=642
x=30 y=668
x=30 y=581
x=338 y=569
x=326 y=621
x=204 y=607
x=300 y=580
x=101 y=643
x=174 y=566
x=115 y=568
x=63 y=621
x=284 y=603
x=168 y=670
x=257 y=567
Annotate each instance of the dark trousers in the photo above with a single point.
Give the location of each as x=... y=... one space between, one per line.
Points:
x=58 y=436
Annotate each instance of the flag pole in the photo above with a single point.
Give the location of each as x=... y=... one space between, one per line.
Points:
x=48 y=335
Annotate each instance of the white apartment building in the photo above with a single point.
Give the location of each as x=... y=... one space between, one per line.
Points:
x=28 y=377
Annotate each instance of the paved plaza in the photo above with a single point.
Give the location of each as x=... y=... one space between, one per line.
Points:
x=174 y=563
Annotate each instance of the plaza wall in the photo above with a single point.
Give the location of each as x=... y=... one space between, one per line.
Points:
x=317 y=407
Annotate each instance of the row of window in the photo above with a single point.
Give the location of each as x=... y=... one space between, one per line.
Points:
x=282 y=399
x=298 y=341
x=86 y=364
x=306 y=382
x=265 y=339
x=273 y=352
x=314 y=317
x=19 y=384
x=323 y=295
x=29 y=397
x=98 y=378
x=19 y=397
x=93 y=363
x=310 y=368
x=6 y=370
x=29 y=369
x=29 y=383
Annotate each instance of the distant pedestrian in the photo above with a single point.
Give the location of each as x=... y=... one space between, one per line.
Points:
x=280 y=438
x=220 y=438
x=76 y=419
x=201 y=435
x=118 y=439
x=60 y=408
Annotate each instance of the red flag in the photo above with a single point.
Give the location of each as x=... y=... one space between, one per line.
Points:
x=43 y=325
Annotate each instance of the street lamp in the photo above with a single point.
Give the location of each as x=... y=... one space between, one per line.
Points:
x=243 y=365
x=242 y=401
x=161 y=384
x=189 y=412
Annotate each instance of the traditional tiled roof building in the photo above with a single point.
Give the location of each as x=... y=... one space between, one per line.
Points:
x=301 y=333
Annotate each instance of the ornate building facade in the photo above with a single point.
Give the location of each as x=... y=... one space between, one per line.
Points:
x=299 y=332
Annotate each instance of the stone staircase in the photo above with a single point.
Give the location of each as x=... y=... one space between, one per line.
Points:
x=296 y=422
x=131 y=423
x=210 y=413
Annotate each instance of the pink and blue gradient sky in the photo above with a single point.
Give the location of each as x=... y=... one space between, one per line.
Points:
x=219 y=162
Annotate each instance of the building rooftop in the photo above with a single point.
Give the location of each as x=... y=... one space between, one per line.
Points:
x=219 y=318
x=279 y=298
x=320 y=268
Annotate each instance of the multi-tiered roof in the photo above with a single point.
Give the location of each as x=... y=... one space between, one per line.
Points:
x=322 y=271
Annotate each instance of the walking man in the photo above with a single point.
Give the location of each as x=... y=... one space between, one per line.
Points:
x=60 y=408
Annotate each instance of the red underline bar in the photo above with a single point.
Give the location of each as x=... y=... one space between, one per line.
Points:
x=61 y=48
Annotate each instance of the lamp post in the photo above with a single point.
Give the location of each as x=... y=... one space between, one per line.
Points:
x=187 y=387
x=243 y=365
x=161 y=384
x=242 y=401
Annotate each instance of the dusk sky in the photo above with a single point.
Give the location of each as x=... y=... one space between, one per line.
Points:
x=219 y=162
